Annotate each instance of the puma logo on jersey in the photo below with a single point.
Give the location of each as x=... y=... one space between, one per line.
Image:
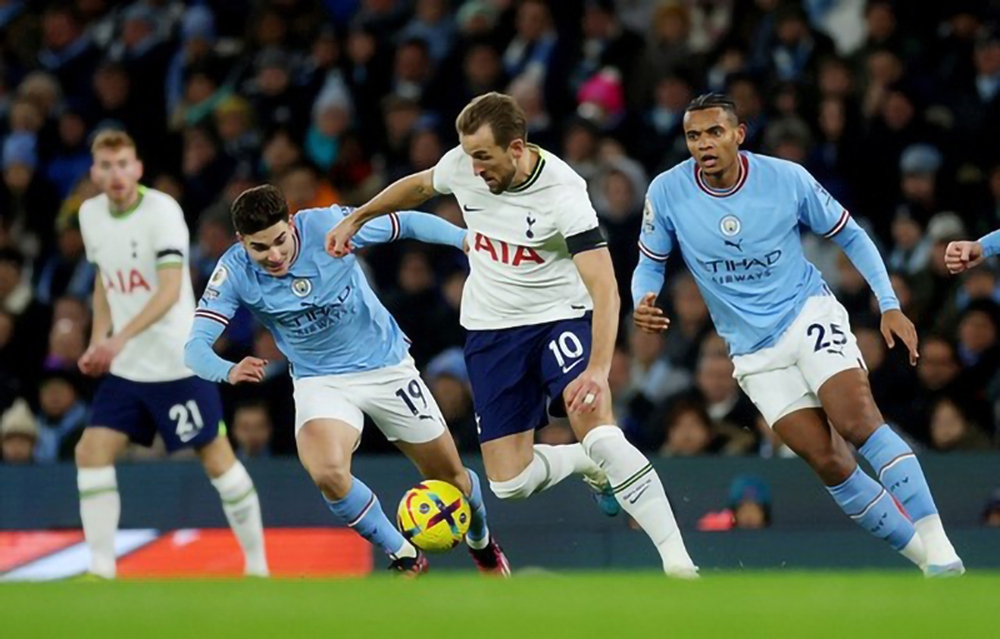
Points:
x=738 y=244
x=505 y=253
x=126 y=285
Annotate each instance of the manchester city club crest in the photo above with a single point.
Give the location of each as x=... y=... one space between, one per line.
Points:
x=730 y=225
x=302 y=287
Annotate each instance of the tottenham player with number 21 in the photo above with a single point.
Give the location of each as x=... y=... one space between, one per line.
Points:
x=735 y=217
x=143 y=310
x=541 y=307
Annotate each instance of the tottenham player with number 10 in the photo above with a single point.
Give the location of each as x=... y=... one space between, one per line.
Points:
x=541 y=308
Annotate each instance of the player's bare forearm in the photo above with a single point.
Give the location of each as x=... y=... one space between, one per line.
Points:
x=101 y=326
x=405 y=193
x=168 y=291
x=598 y=276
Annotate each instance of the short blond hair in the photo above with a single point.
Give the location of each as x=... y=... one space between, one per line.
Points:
x=112 y=140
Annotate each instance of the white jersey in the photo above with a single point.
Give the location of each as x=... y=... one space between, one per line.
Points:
x=522 y=272
x=128 y=249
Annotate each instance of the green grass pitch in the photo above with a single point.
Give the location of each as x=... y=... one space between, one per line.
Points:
x=453 y=605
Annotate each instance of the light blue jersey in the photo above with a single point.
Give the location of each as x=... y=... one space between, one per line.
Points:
x=324 y=316
x=743 y=245
x=991 y=244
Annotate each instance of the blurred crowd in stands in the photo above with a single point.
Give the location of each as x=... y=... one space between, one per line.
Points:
x=892 y=105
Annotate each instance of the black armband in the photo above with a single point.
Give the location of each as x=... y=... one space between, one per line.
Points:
x=586 y=241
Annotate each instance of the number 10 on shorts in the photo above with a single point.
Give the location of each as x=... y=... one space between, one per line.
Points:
x=567 y=347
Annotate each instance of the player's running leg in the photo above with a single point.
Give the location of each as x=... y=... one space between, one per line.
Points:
x=100 y=503
x=866 y=502
x=239 y=502
x=635 y=482
x=861 y=423
x=517 y=469
x=438 y=459
x=325 y=449
x=509 y=392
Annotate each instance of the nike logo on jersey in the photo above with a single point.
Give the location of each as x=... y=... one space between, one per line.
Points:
x=566 y=369
x=469 y=209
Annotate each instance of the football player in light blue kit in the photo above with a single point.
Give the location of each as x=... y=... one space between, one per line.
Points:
x=347 y=357
x=735 y=217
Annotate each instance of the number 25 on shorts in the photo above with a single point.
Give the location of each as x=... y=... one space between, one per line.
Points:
x=819 y=332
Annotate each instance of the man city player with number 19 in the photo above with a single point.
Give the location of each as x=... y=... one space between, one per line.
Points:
x=348 y=358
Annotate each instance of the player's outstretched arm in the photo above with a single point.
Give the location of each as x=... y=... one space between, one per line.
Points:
x=647 y=280
x=961 y=256
x=406 y=193
x=431 y=229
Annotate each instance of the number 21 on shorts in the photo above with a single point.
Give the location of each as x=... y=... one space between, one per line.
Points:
x=188 y=418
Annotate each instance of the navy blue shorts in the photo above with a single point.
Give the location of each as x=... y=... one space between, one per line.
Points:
x=517 y=372
x=186 y=412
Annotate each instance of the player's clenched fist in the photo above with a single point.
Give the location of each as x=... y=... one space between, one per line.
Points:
x=251 y=369
x=338 y=239
x=961 y=256
x=648 y=317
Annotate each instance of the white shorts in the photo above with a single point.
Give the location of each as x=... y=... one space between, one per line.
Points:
x=395 y=398
x=787 y=377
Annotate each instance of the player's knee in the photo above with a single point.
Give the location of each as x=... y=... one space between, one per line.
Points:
x=858 y=426
x=89 y=453
x=334 y=480
x=832 y=467
x=516 y=488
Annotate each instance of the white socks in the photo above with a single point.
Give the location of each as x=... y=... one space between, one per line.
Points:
x=242 y=508
x=549 y=466
x=640 y=492
x=939 y=550
x=916 y=552
x=100 y=509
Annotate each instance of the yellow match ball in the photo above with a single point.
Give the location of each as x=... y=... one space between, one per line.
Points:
x=434 y=516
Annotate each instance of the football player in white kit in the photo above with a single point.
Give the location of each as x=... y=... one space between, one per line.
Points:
x=143 y=311
x=541 y=308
